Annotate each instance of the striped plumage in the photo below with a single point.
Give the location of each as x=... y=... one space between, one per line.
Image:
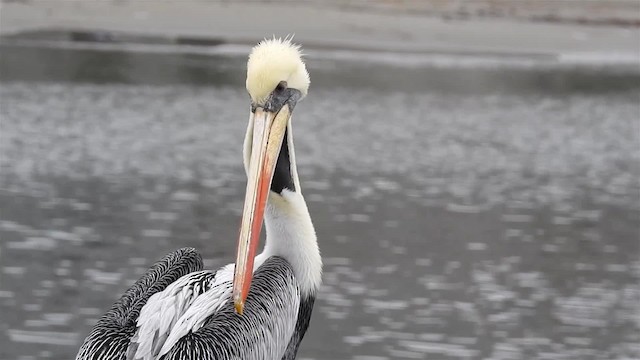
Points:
x=272 y=310
x=168 y=311
x=110 y=337
x=274 y=305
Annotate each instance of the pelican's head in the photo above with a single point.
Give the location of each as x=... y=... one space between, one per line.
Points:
x=277 y=79
x=274 y=66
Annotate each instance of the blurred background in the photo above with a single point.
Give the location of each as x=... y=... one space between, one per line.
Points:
x=472 y=167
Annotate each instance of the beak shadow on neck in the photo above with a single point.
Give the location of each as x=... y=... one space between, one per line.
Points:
x=282 y=176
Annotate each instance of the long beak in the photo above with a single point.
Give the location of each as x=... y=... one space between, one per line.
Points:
x=268 y=132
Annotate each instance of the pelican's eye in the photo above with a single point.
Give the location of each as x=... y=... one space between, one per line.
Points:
x=282 y=85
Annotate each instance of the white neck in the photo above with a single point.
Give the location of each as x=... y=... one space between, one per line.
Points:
x=290 y=234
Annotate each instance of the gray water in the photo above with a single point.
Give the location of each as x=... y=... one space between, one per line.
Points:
x=473 y=211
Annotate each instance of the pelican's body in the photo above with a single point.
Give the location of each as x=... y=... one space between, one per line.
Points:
x=179 y=311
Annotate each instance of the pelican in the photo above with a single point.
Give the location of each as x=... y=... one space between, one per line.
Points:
x=179 y=311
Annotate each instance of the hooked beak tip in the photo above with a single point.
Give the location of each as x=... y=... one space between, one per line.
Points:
x=239 y=305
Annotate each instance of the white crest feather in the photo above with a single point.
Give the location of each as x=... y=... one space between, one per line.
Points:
x=272 y=61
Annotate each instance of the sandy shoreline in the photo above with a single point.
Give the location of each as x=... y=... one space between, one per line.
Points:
x=321 y=27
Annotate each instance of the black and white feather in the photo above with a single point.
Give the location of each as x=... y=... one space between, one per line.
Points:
x=110 y=337
x=165 y=312
x=270 y=327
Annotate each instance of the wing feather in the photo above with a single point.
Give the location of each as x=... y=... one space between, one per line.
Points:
x=159 y=316
x=264 y=331
x=110 y=337
x=205 y=305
